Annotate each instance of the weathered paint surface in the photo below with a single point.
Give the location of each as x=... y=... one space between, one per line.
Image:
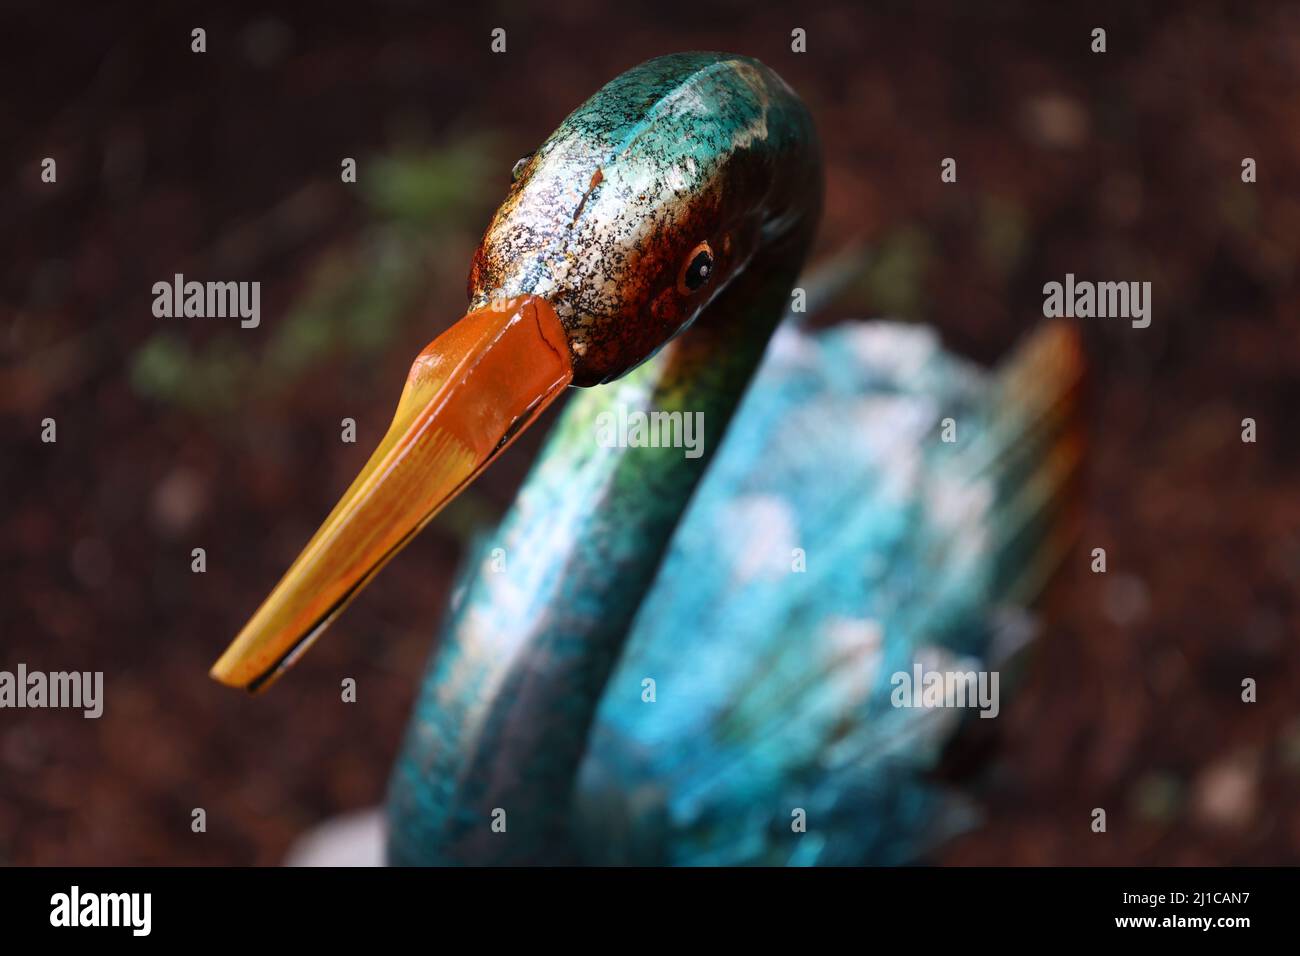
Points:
x=684 y=149
x=626 y=563
x=690 y=147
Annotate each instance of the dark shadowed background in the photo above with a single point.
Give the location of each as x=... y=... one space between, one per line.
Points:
x=177 y=434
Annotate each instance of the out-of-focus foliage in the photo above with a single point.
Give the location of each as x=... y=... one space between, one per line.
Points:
x=356 y=296
x=895 y=280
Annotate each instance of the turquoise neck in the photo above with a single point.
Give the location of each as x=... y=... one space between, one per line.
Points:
x=502 y=720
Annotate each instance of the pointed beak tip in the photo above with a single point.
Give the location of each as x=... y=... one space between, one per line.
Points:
x=226 y=673
x=469 y=394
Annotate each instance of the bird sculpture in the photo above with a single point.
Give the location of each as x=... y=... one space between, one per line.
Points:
x=691 y=655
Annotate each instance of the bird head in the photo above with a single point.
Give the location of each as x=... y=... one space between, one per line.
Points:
x=615 y=235
x=644 y=204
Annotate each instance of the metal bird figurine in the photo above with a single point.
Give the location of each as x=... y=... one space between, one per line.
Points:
x=666 y=657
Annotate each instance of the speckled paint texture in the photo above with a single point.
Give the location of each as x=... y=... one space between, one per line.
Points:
x=684 y=149
x=690 y=147
x=627 y=563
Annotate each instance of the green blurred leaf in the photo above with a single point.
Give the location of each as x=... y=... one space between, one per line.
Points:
x=895 y=280
x=356 y=297
x=434 y=188
x=167 y=370
x=1003 y=235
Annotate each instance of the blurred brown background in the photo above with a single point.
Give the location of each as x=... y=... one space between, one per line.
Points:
x=175 y=434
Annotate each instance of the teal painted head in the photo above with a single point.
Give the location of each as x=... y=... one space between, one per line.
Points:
x=648 y=200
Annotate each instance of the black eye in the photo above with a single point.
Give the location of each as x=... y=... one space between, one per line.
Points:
x=697 y=270
x=517 y=170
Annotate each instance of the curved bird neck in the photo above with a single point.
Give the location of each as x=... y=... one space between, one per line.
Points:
x=506 y=709
x=502 y=720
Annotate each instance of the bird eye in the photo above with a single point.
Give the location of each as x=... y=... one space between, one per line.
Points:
x=517 y=170
x=697 y=269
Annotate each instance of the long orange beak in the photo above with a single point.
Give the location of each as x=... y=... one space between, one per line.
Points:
x=469 y=394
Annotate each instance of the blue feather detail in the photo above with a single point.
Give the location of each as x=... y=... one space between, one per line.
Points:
x=772 y=686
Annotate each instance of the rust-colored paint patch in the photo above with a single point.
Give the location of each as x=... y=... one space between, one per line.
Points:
x=596 y=179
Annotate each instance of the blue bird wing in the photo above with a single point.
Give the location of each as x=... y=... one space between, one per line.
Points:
x=837 y=539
